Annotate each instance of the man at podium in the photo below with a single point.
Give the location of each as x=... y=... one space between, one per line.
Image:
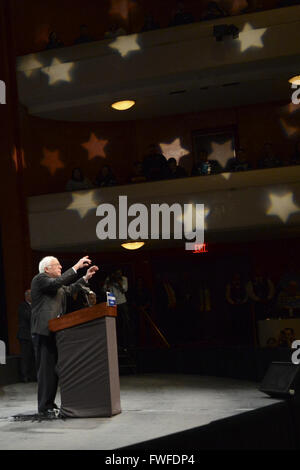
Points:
x=49 y=289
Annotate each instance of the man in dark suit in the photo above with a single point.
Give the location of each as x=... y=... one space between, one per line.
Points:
x=24 y=337
x=49 y=289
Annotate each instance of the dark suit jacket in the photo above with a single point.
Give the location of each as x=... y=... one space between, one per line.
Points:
x=48 y=296
x=24 y=321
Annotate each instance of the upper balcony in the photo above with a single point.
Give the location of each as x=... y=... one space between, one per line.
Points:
x=252 y=205
x=169 y=71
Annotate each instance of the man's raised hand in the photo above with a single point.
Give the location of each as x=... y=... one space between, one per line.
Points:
x=82 y=263
x=90 y=272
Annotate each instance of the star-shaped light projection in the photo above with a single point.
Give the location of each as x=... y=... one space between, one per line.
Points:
x=15 y=159
x=290 y=131
x=30 y=65
x=119 y=7
x=58 y=71
x=174 y=150
x=221 y=152
x=83 y=202
x=52 y=160
x=282 y=206
x=125 y=44
x=226 y=175
x=95 y=147
x=250 y=37
x=192 y=209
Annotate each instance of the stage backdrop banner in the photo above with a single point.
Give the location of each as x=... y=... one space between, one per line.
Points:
x=88 y=369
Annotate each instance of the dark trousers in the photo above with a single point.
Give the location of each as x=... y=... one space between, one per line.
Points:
x=46 y=359
x=27 y=360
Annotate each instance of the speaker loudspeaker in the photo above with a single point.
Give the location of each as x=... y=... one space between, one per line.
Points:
x=282 y=380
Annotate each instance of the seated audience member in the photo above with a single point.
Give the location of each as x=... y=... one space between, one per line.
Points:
x=286 y=338
x=114 y=31
x=176 y=171
x=213 y=11
x=272 y=343
x=235 y=7
x=295 y=159
x=261 y=291
x=105 y=177
x=240 y=163
x=53 y=41
x=138 y=175
x=269 y=159
x=180 y=16
x=78 y=181
x=150 y=24
x=203 y=166
x=288 y=300
x=84 y=35
x=155 y=165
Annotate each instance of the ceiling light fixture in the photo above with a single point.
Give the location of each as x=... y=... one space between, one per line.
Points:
x=133 y=245
x=123 y=105
x=295 y=80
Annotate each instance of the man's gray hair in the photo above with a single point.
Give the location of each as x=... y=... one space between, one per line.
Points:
x=45 y=263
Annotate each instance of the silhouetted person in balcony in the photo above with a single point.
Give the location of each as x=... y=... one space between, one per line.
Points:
x=213 y=11
x=78 y=181
x=181 y=16
x=138 y=174
x=203 y=166
x=295 y=159
x=114 y=31
x=105 y=177
x=240 y=163
x=269 y=159
x=155 y=165
x=53 y=41
x=84 y=35
x=176 y=171
x=150 y=24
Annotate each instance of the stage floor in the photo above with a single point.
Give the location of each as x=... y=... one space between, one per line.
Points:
x=152 y=406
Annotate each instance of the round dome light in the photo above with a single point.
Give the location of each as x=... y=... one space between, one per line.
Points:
x=133 y=245
x=123 y=105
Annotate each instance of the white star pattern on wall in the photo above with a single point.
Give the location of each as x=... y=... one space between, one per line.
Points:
x=192 y=210
x=174 y=150
x=58 y=71
x=221 y=152
x=30 y=64
x=250 y=37
x=125 y=44
x=282 y=206
x=82 y=202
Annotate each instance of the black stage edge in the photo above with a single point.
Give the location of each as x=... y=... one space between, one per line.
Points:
x=274 y=427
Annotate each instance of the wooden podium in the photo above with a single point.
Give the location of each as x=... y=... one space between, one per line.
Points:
x=88 y=362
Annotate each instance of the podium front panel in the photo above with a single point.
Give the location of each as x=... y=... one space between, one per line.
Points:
x=88 y=369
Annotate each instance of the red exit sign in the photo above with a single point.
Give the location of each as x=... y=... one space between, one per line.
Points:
x=201 y=248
